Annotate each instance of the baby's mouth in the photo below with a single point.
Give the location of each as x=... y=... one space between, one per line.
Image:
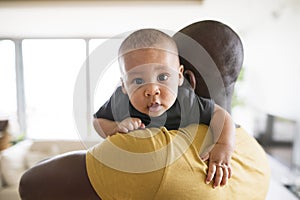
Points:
x=154 y=107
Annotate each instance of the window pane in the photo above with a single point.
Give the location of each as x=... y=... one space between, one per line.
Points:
x=108 y=82
x=105 y=85
x=8 y=100
x=50 y=71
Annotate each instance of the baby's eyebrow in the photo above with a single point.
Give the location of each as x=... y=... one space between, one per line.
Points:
x=166 y=69
x=163 y=68
x=133 y=74
x=141 y=71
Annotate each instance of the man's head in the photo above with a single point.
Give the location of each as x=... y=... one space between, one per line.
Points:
x=225 y=49
x=150 y=70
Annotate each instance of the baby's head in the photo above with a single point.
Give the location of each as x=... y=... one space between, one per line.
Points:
x=150 y=69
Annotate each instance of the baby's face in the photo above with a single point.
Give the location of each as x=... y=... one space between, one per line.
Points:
x=151 y=78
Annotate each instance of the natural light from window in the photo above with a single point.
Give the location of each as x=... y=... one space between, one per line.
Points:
x=50 y=70
x=8 y=100
x=108 y=82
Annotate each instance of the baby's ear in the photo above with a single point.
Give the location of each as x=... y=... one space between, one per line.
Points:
x=191 y=78
x=181 y=77
x=123 y=86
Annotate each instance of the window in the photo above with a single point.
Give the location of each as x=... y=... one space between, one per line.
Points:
x=50 y=70
x=107 y=83
x=8 y=100
x=51 y=67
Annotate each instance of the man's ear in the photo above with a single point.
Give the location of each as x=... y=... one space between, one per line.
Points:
x=191 y=78
x=181 y=77
x=123 y=86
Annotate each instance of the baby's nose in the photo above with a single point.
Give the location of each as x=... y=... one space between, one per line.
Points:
x=152 y=90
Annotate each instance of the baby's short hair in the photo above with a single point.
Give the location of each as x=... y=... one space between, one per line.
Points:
x=148 y=38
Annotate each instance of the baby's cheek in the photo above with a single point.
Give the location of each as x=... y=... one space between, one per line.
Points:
x=169 y=99
x=138 y=101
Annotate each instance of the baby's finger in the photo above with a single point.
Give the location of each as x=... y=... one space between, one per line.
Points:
x=218 y=176
x=225 y=175
x=229 y=171
x=122 y=129
x=142 y=126
x=136 y=124
x=211 y=172
x=130 y=126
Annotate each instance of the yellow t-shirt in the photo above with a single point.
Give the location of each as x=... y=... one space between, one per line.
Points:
x=160 y=164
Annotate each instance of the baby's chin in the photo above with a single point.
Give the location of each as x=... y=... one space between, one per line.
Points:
x=150 y=114
x=156 y=111
x=154 y=114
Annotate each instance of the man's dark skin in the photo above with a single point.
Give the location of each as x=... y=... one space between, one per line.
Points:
x=226 y=50
x=65 y=177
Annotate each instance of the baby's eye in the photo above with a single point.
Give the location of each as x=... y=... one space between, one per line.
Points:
x=138 y=81
x=162 y=77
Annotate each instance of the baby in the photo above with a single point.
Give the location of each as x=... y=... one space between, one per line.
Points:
x=154 y=94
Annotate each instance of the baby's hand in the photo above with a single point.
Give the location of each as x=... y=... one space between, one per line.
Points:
x=219 y=167
x=129 y=124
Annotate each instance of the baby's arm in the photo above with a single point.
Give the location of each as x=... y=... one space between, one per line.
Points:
x=105 y=127
x=223 y=129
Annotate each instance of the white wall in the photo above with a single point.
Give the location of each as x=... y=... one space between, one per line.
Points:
x=94 y=18
x=272 y=66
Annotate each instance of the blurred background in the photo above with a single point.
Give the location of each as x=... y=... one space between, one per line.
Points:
x=44 y=46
